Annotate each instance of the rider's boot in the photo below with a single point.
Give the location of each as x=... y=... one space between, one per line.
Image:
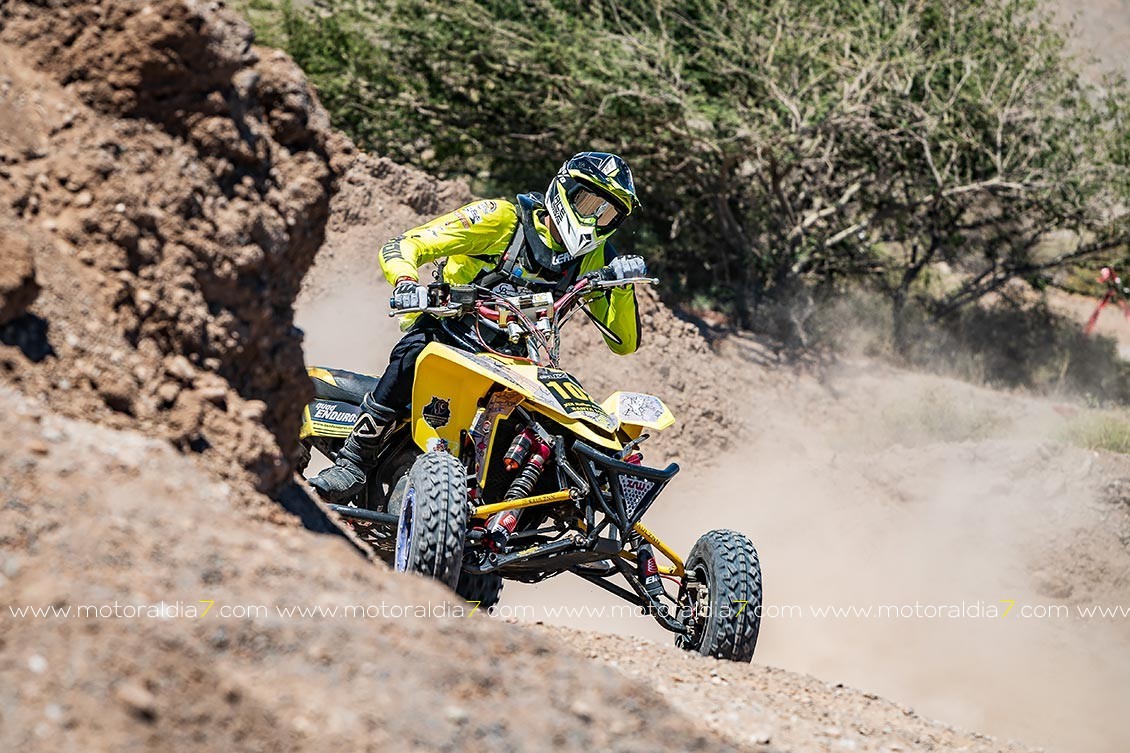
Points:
x=358 y=456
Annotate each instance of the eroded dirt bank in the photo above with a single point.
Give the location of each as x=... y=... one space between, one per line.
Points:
x=163 y=189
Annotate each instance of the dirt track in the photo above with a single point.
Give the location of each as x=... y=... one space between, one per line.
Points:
x=98 y=517
x=861 y=484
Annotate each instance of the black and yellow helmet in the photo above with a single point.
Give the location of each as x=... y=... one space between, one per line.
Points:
x=591 y=195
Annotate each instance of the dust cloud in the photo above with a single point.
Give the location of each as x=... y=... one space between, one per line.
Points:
x=871 y=496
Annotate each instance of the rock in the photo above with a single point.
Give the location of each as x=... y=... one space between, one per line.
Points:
x=456 y=714
x=168 y=392
x=140 y=702
x=181 y=368
x=18 y=287
x=37 y=664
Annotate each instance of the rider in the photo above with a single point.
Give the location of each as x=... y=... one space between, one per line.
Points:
x=540 y=242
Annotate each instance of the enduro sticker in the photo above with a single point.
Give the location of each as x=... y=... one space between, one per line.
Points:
x=330 y=418
x=437 y=413
x=333 y=412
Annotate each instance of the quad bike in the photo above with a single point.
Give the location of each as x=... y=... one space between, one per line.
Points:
x=507 y=469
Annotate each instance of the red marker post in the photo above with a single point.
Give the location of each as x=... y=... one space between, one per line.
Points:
x=1114 y=292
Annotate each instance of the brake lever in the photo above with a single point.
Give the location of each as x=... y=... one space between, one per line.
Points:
x=437 y=311
x=604 y=284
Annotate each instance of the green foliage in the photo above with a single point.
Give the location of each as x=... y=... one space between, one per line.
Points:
x=1099 y=431
x=775 y=143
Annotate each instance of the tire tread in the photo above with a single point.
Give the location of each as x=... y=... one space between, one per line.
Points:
x=735 y=577
x=440 y=516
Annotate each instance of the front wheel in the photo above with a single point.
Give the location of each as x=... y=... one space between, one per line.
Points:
x=721 y=596
x=433 y=519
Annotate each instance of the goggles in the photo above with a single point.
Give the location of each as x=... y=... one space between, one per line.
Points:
x=592 y=207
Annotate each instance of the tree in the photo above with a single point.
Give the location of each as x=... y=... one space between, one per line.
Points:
x=777 y=144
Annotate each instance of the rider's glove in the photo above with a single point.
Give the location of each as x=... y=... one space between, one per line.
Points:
x=409 y=294
x=626 y=267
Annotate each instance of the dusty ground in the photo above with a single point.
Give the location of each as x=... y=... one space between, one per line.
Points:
x=93 y=516
x=773 y=709
x=861 y=484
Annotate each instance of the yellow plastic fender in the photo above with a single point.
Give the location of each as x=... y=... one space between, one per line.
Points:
x=450 y=386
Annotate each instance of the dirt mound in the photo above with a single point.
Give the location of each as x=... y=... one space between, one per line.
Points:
x=80 y=528
x=772 y=709
x=173 y=185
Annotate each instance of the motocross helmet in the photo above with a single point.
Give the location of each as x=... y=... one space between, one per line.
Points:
x=591 y=195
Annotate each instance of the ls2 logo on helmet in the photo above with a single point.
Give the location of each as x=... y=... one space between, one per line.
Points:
x=557 y=207
x=437 y=413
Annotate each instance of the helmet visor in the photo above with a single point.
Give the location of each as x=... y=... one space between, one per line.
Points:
x=593 y=208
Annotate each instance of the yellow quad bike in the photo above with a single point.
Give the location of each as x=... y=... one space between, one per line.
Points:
x=507 y=469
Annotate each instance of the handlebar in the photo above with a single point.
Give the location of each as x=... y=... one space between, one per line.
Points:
x=588 y=283
x=534 y=319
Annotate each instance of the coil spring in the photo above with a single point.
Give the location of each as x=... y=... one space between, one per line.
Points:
x=524 y=483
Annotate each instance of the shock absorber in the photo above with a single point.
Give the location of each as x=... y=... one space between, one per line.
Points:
x=531 y=471
x=502 y=524
x=647 y=570
x=519 y=450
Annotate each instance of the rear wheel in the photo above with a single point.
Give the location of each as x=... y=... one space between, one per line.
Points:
x=721 y=594
x=433 y=519
x=484 y=589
